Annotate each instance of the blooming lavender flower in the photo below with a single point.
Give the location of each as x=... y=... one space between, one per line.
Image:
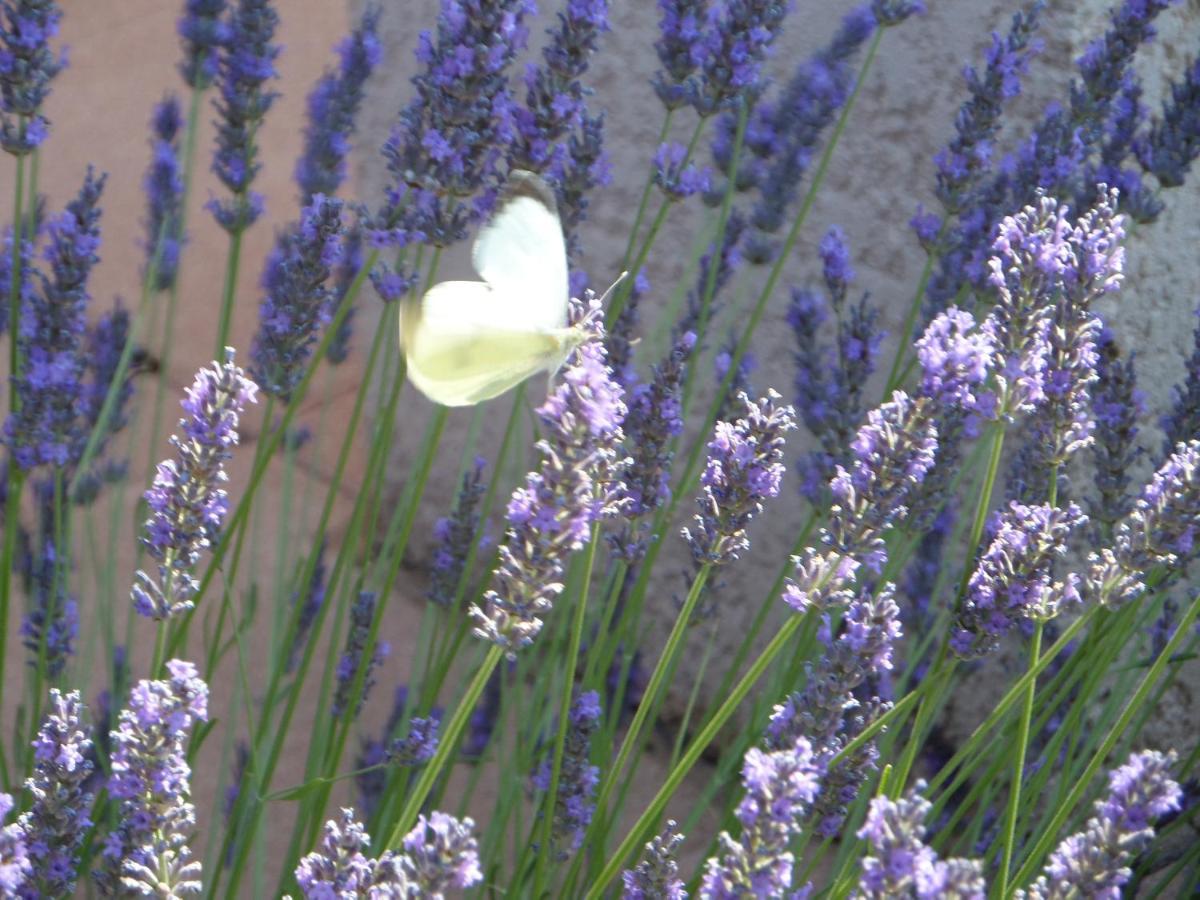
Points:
x=15 y=865
x=164 y=195
x=43 y=427
x=51 y=626
x=333 y=108
x=578 y=778
x=444 y=148
x=297 y=299
x=1014 y=578
x=656 y=876
x=340 y=867
x=455 y=535
x=186 y=500
x=1095 y=861
x=1160 y=530
x=1117 y=404
x=967 y=158
x=744 y=468
x=955 y=358
x=246 y=64
x=782 y=135
x=828 y=712
x=578 y=483
x=1173 y=141
x=147 y=851
x=440 y=854
x=584 y=168
x=676 y=175
x=1182 y=421
x=554 y=95
x=680 y=48
x=362 y=614
x=779 y=787
x=204 y=32
x=58 y=820
x=902 y=864
x=737 y=36
x=420 y=744
x=27 y=66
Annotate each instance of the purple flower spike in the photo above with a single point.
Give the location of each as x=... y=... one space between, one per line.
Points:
x=27 y=66
x=1013 y=580
x=677 y=180
x=551 y=516
x=298 y=300
x=203 y=32
x=656 y=876
x=15 y=865
x=187 y=502
x=955 y=358
x=744 y=469
x=578 y=779
x=362 y=615
x=901 y=864
x=333 y=107
x=779 y=785
x=1117 y=406
x=1095 y=862
x=1173 y=142
x=246 y=64
x=737 y=34
x=456 y=535
x=147 y=852
x=59 y=816
x=681 y=50
x=1182 y=421
x=163 y=185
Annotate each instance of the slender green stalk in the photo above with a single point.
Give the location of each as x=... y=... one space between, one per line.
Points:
x=1008 y=842
x=232 y=263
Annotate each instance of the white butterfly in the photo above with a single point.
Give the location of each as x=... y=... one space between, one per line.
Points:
x=470 y=341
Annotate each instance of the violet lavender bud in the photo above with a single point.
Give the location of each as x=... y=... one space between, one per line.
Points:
x=1137 y=200
x=147 y=852
x=681 y=50
x=50 y=628
x=554 y=94
x=440 y=854
x=956 y=359
x=456 y=536
x=297 y=297
x=1182 y=421
x=15 y=865
x=656 y=875
x=446 y=145
x=835 y=264
x=333 y=106
x=163 y=185
x=736 y=384
x=362 y=614
x=584 y=168
x=1173 y=142
x=59 y=817
x=575 y=801
x=901 y=864
x=204 y=33
x=737 y=37
x=578 y=483
x=27 y=66
x=420 y=744
x=246 y=64
x=677 y=176
x=1160 y=530
x=347 y=273
x=779 y=786
x=44 y=426
x=1095 y=862
x=967 y=158
x=744 y=469
x=1014 y=578
x=187 y=502
x=828 y=712
x=340 y=867
x=1117 y=405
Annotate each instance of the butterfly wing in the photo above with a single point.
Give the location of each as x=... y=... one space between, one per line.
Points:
x=522 y=254
x=462 y=349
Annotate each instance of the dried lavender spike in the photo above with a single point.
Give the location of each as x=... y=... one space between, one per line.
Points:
x=187 y=502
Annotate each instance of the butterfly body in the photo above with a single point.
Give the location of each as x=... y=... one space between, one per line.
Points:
x=470 y=341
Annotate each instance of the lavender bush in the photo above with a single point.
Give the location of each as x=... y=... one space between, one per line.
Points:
x=982 y=493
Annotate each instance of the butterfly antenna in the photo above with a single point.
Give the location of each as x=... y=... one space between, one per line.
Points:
x=612 y=287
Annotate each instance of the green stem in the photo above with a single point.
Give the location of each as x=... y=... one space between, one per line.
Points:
x=231 y=273
x=1000 y=885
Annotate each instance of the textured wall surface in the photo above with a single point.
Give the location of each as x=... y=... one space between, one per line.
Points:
x=881 y=169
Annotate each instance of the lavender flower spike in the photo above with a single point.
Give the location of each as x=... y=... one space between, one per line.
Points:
x=15 y=866
x=1095 y=862
x=779 y=787
x=247 y=63
x=575 y=802
x=579 y=482
x=656 y=876
x=680 y=48
x=147 y=853
x=203 y=31
x=27 y=66
x=362 y=614
x=59 y=816
x=456 y=537
x=187 y=502
x=744 y=469
x=1174 y=141
x=738 y=34
x=903 y=865
x=164 y=195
